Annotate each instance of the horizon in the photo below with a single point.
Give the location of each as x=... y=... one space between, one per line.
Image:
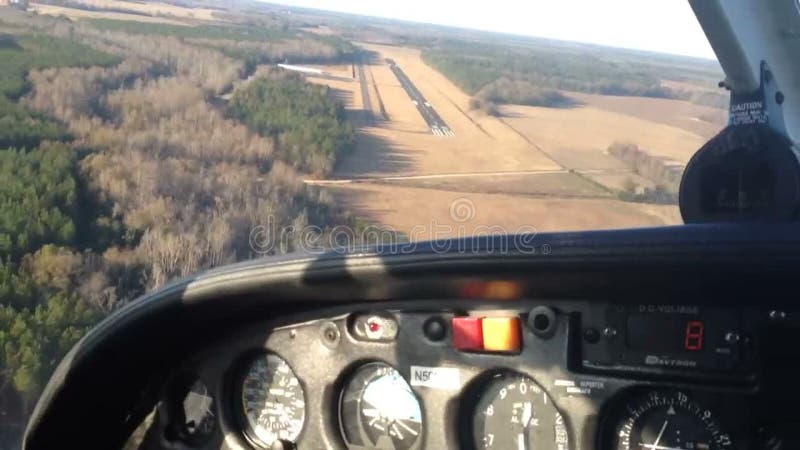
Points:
x=653 y=32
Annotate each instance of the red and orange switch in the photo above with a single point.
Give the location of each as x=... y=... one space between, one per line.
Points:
x=487 y=334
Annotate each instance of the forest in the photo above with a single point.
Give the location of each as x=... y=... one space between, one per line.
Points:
x=20 y=127
x=254 y=44
x=308 y=127
x=532 y=75
x=120 y=170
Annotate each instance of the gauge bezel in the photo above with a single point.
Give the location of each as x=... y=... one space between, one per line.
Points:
x=241 y=369
x=613 y=412
x=473 y=393
x=347 y=378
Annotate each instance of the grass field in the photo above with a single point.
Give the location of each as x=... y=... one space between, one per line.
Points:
x=704 y=121
x=426 y=213
x=548 y=185
x=589 y=129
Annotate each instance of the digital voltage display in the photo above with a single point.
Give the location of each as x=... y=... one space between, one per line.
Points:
x=666 y=334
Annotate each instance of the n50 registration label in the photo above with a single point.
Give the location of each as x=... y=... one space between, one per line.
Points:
x=446 y=378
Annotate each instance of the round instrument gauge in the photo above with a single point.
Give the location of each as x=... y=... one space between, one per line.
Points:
x=272 y=401
x=513 y=412
x=378 y=410
x=665 y=420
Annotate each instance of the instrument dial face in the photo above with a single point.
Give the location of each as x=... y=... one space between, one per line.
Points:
x=378 y=410
x=272 y=401
x=667 y=420
x=515 y=413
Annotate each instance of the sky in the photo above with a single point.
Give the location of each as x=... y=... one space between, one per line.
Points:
x=667 y=26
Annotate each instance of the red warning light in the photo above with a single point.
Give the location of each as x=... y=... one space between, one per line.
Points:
x=374 y=326
x=694 y=336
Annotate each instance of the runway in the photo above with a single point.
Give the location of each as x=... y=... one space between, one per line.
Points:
x=432 y=118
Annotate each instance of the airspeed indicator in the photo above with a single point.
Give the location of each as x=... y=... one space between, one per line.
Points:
x=515 y=413
x=272 y=401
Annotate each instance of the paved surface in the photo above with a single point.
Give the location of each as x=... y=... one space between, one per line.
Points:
x=365 y=100
x=432 y=118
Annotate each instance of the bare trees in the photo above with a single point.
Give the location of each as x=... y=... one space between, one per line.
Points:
x=188 y=183
x=297 y=50
x=192 y=183
x=170 y=118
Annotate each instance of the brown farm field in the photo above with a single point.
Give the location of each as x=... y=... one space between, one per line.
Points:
x=542 y=167
x=155 y=9
x=73 y=13
x=423 y=214
x=704 y=121
x=592 y=129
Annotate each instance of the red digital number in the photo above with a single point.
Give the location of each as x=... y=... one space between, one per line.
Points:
x=694 y=336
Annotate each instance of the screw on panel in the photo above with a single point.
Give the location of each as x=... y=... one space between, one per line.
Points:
x=591 y=335
x=732 y=337
x=330 y=334
x=777 y=315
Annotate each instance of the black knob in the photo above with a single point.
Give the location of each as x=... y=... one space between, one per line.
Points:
x=542 y=321
x=434 y=329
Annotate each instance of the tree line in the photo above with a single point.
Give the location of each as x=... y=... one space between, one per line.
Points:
x=20 y=127
x=534 y=75
x=254 y=44
x=308 y=126
x=505 y=90
x=665 y=174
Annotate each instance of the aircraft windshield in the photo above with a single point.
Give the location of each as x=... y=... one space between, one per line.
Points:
x=142 y=141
